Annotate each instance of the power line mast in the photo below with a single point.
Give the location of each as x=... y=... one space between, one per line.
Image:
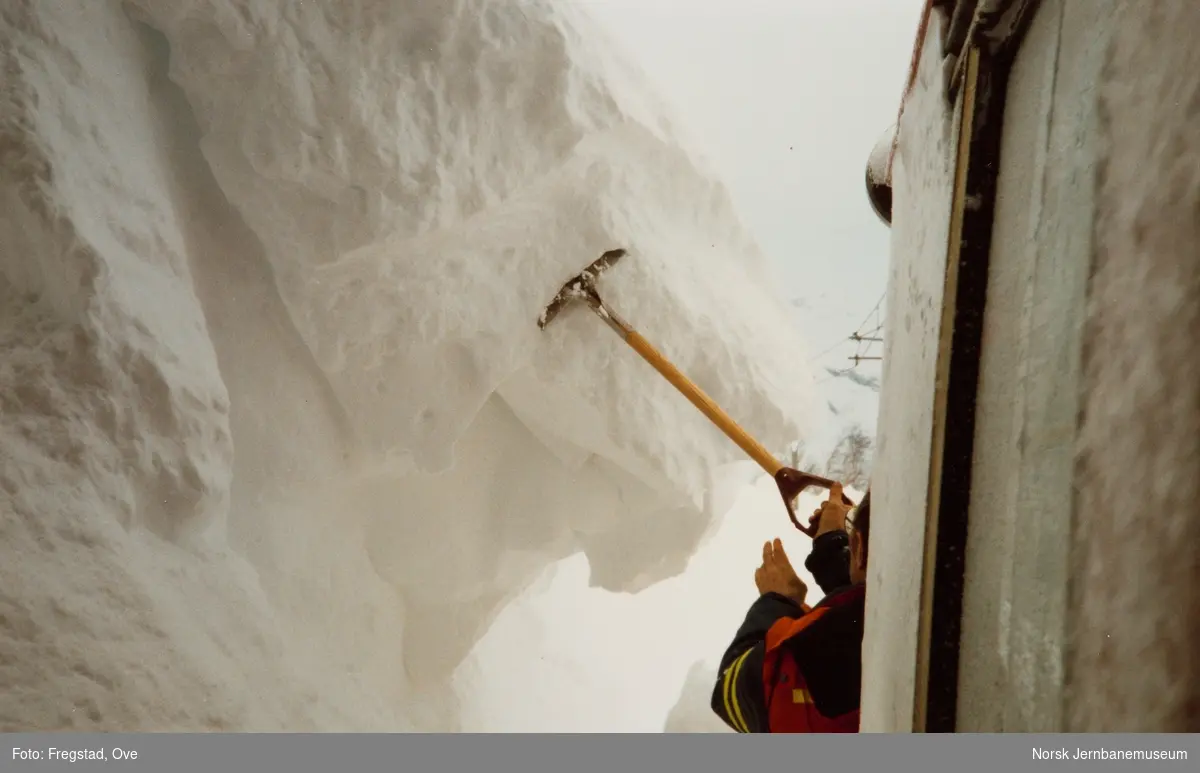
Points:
x=866 y=338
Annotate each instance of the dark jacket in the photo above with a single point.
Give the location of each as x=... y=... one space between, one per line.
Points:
x=818 y=648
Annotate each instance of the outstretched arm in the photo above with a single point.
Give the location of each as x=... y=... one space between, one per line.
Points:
x=738 y=694
x=829 y=560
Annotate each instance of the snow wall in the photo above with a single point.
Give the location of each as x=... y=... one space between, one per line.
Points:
x=692 y=713
x=279 y=435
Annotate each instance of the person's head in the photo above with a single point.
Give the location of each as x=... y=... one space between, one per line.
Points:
x=858 y=524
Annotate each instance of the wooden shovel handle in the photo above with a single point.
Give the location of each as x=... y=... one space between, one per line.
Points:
x=705 y=403
x=791 y=482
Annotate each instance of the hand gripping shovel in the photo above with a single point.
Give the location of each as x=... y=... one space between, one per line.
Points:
x=582 y=287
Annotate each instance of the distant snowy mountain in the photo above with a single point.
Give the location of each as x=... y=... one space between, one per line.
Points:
x=870 y=382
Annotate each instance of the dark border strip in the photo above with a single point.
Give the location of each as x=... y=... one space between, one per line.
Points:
x=954 y=492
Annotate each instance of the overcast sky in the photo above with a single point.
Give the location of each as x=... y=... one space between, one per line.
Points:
x=787 y=97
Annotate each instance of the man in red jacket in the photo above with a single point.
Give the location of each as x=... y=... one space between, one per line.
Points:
x=794 y=668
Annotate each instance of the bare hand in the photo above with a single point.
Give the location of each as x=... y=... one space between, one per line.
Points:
x=831 y=515
x=776 y=574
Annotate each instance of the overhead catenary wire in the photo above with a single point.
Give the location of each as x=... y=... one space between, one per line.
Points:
x=864 y=339
x=874 y=309
x=858 y=331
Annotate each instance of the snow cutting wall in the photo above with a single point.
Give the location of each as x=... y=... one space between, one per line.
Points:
x=693 y=713
x=279 y=435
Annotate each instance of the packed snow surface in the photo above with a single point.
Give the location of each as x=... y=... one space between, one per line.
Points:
x=692 y=713
x=580 y=633
x=279 y=435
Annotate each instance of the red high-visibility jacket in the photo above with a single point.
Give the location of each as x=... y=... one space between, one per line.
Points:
x=796 y=669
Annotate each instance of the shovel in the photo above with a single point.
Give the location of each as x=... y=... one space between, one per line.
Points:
x=582 y=287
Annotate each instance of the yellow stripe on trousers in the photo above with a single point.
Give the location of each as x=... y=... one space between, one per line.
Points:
x=731 y=702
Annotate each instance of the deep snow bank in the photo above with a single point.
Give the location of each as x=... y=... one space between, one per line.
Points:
x=692 y=713
x=278 y=433
x=611 y=662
